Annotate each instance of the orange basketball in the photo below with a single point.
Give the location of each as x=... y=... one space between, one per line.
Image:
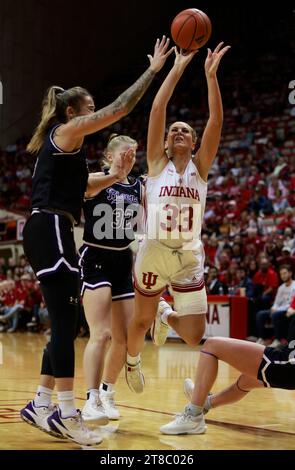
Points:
x=191 y=29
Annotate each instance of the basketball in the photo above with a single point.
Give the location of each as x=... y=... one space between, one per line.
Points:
x=191 y=29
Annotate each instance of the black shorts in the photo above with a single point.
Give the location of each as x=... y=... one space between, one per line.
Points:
x=107 y=268
x=49 y=244
x=277 y=368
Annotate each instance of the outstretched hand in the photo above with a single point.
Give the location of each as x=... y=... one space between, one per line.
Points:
x=123 y=165
x=213 y=59
x=182 y=57
x=161 y=52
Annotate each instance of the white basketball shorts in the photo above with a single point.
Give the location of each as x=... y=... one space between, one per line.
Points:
x=182 y=271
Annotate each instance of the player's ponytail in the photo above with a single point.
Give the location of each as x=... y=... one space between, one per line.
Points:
x=54 y=111
x=48 y=118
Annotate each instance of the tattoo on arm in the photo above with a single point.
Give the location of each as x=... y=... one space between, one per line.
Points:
x=130 y=97
x=126 y=101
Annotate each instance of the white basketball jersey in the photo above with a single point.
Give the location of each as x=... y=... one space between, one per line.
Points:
x=175 y=207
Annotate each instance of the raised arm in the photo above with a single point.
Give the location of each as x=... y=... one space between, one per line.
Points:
x=211 y=136
x=83 y=125
x=156 y=156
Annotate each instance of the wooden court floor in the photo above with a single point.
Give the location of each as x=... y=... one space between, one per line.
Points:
x=265 y=419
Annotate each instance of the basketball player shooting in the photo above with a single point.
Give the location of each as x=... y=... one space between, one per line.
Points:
x=172 y=253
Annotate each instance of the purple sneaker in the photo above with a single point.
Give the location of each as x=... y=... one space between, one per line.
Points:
x=37 y=416
x=72 y=428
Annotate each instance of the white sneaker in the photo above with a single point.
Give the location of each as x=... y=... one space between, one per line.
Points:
x=134 y=377
x=185 y=423
x=73 y=428
x=37 y=416
x=260 y=341
x=94 y=412
x=188 y=388
x=276 y=343
x=107 y=399
x=159 y=329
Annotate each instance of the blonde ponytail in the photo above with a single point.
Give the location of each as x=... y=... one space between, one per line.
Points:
x=54 y=111
x=48 y=119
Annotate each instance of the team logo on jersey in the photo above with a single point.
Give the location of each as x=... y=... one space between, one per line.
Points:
x=149 y=279
x=115 y=196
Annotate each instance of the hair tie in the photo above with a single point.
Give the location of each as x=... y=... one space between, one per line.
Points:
x=113 y=136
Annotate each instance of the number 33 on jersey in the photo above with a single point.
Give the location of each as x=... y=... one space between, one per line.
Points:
x=175 y=207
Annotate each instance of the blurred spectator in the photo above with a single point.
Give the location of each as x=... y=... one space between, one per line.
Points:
x=244 y=282
x=276 y=185
x=277 y=313
x=288 y=220
x=265 y=285
x=213 y=285
x=259 y=203
x=12 y=305
x=280 y=202
x=287 y=259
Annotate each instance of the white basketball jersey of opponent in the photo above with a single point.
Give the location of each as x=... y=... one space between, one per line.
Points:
x=174 y=207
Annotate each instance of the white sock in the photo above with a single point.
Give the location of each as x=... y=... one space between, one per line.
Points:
x=133 y=360
x=67 y=404
x=43 y=396
x=93 y=395
x=107 y=387
x=194 y=410
x=167 y=310
x=165 y=315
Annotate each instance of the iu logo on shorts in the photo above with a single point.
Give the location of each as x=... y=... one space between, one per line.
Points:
x=149 y=279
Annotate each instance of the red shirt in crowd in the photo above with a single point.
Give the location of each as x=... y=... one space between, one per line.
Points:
x=267 y=279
